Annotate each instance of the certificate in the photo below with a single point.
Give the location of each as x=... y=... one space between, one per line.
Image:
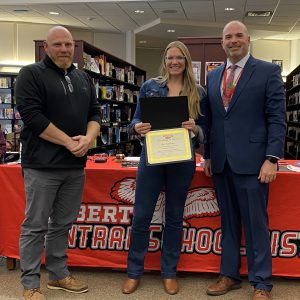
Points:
x=168 y=146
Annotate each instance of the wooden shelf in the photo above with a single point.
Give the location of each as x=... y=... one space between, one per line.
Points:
x=111 y=101
x=290 y=139
x=293 y=107
x=106 y=80
x=294 y=89
x=290 y=123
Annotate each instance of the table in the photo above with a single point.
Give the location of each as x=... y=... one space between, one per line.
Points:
x=100 y=236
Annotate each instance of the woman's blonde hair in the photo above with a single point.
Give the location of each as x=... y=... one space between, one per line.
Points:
x=189 y=82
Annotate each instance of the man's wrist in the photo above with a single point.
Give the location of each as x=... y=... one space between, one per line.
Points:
x=272 y=159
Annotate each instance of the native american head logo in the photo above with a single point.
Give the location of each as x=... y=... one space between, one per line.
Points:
x=200 y=202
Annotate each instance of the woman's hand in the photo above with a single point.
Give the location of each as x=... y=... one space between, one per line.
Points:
x=142 y=128
x=191 y=125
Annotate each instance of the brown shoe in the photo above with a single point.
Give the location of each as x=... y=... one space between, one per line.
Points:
x=261 y=295
x=68 y=284
x=130 y=285
x=33 y=294
x=171 y=286
x=222 y=286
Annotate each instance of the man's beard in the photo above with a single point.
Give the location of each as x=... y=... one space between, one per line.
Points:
x=64 y=63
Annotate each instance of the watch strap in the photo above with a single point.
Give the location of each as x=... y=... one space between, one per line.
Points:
x=272 y=159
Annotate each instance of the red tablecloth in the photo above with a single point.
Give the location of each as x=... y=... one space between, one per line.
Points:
x=100 y=236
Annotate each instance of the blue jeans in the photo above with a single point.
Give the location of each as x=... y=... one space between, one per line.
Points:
x=176 y=178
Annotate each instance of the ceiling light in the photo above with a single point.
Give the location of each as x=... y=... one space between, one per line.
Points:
x=171 y=30
x=229 y=8
x=266 y=13
x=21 y=10
x=138 y=11
x=143 y=42
x=53 y=13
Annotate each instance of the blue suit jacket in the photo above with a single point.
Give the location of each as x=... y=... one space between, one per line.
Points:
x=254 y=125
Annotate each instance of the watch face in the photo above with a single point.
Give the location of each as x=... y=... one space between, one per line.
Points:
x=272 y=159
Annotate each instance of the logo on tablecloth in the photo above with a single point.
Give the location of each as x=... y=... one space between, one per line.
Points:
x=200 y=202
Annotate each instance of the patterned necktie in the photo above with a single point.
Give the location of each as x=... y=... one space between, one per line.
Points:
x=226 y=96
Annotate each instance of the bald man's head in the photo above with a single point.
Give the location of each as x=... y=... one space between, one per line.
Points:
x=235 y=41
x=59 y=46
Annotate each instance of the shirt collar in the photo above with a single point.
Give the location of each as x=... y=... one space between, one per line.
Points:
x=240 y=63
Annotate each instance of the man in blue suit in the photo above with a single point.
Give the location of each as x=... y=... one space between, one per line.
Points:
x=246 y=132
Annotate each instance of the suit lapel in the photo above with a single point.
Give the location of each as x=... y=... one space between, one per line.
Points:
x=245 y=77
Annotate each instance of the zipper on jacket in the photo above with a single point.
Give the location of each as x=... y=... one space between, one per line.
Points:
x=64 y=87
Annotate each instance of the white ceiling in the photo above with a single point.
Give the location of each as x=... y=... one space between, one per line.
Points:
x=199 y=18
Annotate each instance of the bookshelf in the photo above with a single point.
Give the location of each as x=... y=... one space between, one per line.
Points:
x=292 y=142
x=117 y=83
x=9 y=117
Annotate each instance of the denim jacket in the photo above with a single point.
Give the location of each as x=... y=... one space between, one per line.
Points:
x=153 y=88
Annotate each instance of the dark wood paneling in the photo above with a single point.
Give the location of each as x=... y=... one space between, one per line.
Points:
x=204 y=50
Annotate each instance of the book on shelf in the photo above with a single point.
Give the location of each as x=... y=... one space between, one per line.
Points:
x=102 y=63
x=119 y=91
x=117 y=134
x=129 y=94
x=97 y=87
x=7 y=113
x=118 y=114
x=123 y=134
x=87 y=61
x=7 y=128
x=5 y=82
x=104 y=135
x=109 y=69
x=129 y=74
x=95 y=64
x=109 y=92
x=120 y=73
x=5 y=98
x=106 y=113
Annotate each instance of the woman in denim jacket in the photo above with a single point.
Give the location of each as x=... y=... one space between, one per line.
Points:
x=176 y=79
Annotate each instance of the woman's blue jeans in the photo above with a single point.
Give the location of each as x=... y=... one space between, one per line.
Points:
x=176 y=178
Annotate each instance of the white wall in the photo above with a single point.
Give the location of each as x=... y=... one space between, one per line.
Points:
x=17 y=42
x=149 y=60
x=7 y=38
x=112 y=43
x=273 y=49
x=295 y=54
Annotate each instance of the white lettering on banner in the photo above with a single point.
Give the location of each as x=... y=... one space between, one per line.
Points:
x=195 y=240
x=104 y=213
x=106 y=226
x=288 y=247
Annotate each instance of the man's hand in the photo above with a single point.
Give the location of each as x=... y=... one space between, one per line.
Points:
x=70 y=144
x=83 y=144
x=267 y=172
x=207 y=167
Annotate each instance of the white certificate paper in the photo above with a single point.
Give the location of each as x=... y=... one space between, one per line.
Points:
x=168 y=146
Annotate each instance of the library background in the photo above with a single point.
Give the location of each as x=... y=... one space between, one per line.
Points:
x=120 y=44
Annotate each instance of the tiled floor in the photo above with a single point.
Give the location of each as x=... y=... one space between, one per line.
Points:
x=106 y=284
